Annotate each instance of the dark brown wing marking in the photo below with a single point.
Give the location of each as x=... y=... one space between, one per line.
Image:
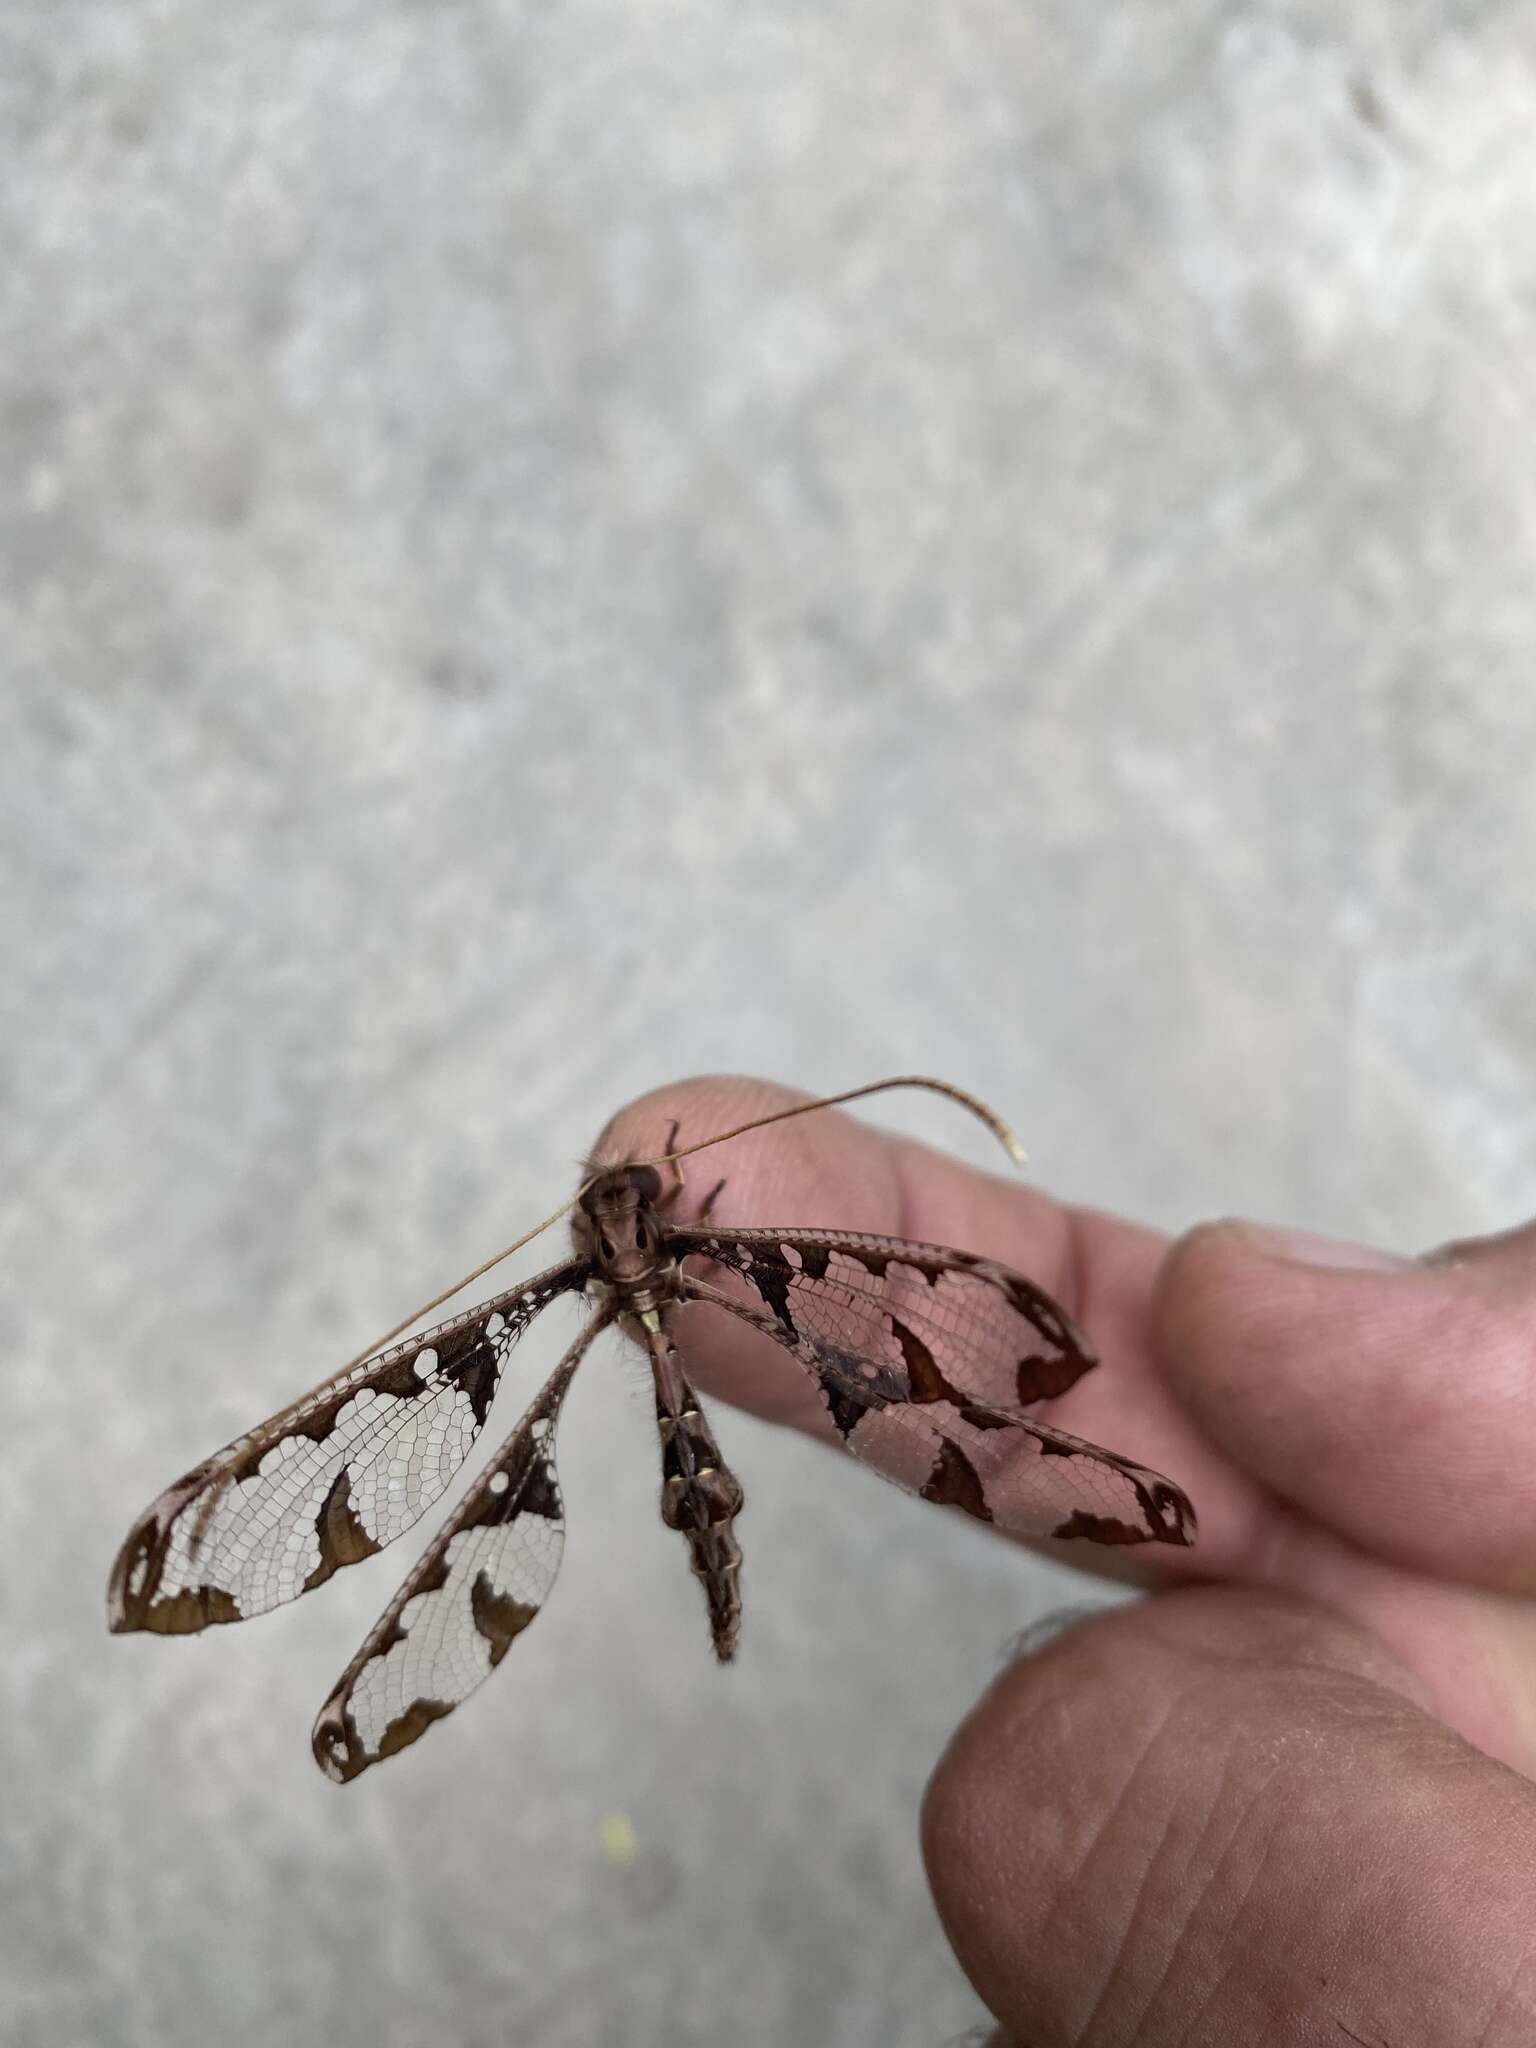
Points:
x=1001 y=1467
x=325 y=1482
x=946 y=1326
x=483 y=1579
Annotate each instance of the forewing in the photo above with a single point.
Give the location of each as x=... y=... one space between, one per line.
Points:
x=484 y=1578
x=1001 y=1467
x=936 y=1322
x=325 y=1482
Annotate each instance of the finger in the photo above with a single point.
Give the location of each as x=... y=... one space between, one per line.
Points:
x=1220 y=1817
x=1392 y=1400
x=830 y=1170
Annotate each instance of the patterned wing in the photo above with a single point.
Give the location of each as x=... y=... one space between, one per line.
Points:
x=327 y=1481
x=479 y=1585
x=920 y=1432
x=939 y=1323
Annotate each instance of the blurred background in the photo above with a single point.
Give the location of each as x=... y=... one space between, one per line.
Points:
x=547 y=549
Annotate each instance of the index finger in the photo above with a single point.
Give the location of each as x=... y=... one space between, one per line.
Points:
x=828 y=1170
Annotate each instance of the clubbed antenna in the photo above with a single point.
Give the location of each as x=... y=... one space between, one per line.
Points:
x=978 y=1109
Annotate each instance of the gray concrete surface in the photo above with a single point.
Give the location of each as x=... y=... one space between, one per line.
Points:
x=544 y=549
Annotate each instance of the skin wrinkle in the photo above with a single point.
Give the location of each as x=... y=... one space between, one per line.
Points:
x=1175 y=1951
x=1069 y=1888
x=1119 y=1965
x=1214 y=1996
x=1234 y=1964
x=1259 y=1861
x=1313 y=1633
x=1267 y=1557
x=1259 y=1869
x=1374 y=1902
x=1367 y=1592
x=958 y=1834
x=1524 y=1967
x=1363 y=1916
x=1076 y=1882
x=1230 y=1913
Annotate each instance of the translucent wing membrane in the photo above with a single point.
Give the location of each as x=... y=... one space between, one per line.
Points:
x=927 y=1361
x=327 y=1481
x=917 y=1310
x=481 y=1582
x=909 y=1407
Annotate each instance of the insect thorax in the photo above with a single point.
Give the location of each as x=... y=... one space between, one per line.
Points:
x=616 y=1224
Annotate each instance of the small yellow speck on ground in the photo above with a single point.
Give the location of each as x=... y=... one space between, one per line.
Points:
x=620 y=1844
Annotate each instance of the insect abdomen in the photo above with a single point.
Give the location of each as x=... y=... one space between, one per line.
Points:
x=700 y=1495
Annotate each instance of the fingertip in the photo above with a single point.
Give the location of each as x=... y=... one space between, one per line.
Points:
x=1390 y=1399
x=822 y=1169
x=1127 y=1816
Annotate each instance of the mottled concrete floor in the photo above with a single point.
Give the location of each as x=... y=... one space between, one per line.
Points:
x=545 y=549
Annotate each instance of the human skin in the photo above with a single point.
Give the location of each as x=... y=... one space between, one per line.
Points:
x=1288 y=1798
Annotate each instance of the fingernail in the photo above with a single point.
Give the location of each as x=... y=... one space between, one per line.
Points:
x=1303 y=1248
x=1517 y=1245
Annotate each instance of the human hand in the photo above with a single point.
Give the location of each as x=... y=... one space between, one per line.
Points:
x=1288 y=1799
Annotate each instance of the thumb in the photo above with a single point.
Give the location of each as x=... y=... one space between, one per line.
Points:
x=1220 y=1817
x=1392 y=1400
